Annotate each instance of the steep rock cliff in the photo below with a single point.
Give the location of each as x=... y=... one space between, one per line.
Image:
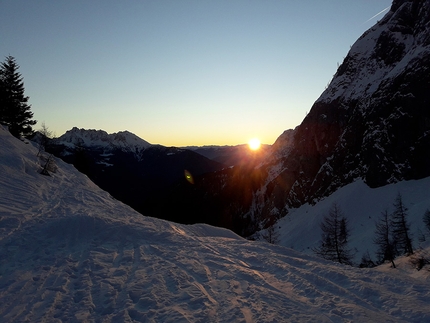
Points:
x=372 y=122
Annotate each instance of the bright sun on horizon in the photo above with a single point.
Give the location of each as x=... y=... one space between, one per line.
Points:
x=254 y=144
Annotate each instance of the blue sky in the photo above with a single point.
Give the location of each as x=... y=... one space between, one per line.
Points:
x=178 y=72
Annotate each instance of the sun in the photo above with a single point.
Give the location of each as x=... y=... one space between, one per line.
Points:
x=254 y=144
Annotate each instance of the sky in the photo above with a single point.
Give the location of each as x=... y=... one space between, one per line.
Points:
x=180 y=73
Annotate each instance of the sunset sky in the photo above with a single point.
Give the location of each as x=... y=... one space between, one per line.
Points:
x=180 y=73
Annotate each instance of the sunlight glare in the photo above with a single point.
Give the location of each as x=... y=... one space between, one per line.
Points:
x=254 y=144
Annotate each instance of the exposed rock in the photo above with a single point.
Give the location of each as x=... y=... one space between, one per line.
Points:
x=372 y=122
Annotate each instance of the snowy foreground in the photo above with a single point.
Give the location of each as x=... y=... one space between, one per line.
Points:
x=70 y=252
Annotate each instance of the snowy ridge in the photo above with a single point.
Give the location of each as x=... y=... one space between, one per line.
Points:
x=378 y=56
x=70 y=252
x=124 y=140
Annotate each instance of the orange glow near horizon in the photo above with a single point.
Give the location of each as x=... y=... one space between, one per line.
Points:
x=254 y=144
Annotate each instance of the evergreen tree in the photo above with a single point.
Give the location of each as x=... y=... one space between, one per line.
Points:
x=400 y=227
x=334 y=238
x=383 y=240
x=14 y=110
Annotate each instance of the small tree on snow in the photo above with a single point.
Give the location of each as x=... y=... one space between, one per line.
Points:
x=271 y=235
x=334 y=238
x=43 y=138
x=400 y=227
x=383 y=240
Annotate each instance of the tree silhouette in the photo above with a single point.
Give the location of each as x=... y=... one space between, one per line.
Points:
x=400 y=227
x=334 y=238
x=383 y=240
x=271 y=235
x=14 y=109
x=42 y=138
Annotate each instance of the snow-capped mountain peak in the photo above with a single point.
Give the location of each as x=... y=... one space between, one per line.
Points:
x=124 y=140
x=382 y=52
x=128 y=139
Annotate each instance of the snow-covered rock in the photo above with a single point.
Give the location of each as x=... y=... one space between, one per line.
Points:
x=124 y=140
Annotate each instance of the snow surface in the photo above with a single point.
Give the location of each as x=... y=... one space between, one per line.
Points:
x=70 y=252
x=362 y=206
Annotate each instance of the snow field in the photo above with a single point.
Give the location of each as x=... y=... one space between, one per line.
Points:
x=362 y=206
x=70 y=252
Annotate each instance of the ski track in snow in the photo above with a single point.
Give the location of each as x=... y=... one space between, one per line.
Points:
x=70 y=252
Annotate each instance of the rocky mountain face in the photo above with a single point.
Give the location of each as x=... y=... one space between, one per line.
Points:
x=132 y=170
x=372 y=122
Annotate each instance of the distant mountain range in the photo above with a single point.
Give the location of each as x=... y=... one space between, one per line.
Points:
x=230 y=155
x=123 y=140
x=131 y=169
x=155 y=180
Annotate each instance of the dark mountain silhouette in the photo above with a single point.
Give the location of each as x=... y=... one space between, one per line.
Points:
x=130 y=169
x=371 y=123
x=230 y=155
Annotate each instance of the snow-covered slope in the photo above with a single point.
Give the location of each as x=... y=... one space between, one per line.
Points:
x=362 y=206
x=70 y=252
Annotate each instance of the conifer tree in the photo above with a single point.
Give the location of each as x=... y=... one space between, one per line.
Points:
x=15 y=112
x=334 y=238
x=271 y=235
x=383 y=240
x=400 y=227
